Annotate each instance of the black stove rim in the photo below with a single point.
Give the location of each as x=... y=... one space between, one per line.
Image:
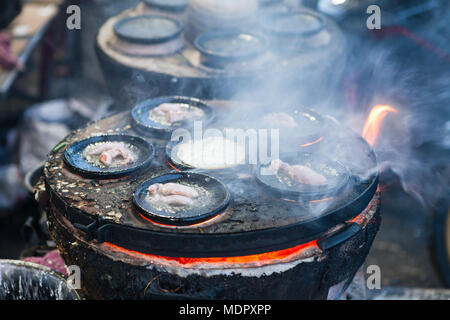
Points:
x=111 y=174
x=148 y=41
x=186 y=221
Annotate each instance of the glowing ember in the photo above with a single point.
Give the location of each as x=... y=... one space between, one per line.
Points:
x=259 y=259
x=374 y=121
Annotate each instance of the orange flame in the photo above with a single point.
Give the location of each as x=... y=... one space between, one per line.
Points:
x=373 y=123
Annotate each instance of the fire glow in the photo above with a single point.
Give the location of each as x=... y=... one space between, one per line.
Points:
x=374 y=121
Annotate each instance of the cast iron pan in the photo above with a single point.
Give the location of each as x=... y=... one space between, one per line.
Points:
x=293 y=24
x=168 y=5
x=148 y=29
x=214 y=199
x=336 y=174
x=74 y=159
x=32 y=177
x=144 y=124
x=222 y=46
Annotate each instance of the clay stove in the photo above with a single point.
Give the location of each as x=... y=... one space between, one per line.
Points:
x=262 y=246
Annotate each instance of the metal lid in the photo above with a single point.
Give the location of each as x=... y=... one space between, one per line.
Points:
x=148 y=29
